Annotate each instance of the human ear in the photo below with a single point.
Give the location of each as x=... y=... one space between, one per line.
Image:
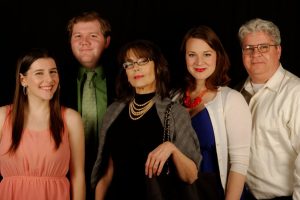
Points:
x=23 y=80
x=107 y=41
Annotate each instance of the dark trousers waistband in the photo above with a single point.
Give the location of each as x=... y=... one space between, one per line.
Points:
x=247 y=195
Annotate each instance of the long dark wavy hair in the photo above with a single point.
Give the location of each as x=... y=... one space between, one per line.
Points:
x=146 y=49
x=20 y=102
x=220 y=75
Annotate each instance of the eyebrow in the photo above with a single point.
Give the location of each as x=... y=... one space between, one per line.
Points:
x=206 y=51
x=132 y=60
x=37 y=70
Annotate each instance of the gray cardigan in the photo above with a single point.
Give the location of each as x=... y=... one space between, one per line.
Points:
x=182 y=132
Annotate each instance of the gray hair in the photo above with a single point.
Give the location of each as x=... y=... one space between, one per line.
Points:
x=260 y=25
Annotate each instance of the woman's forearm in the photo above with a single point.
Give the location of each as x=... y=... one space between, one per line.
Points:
x=235 y=185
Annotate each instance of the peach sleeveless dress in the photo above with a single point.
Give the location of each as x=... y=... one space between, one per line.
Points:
x=37 y=171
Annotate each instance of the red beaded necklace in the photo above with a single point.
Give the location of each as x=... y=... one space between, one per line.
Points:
x=189 y=103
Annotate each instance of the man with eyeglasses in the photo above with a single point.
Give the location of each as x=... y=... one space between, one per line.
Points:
x=273 y=95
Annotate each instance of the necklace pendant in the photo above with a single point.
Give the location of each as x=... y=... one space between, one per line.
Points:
x=189 y=103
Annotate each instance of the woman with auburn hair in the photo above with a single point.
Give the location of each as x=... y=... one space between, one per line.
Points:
x=220 y=115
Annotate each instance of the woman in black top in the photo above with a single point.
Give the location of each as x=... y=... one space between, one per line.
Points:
x=131 y=148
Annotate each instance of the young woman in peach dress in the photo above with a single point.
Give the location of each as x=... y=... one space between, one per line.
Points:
x=40 y=141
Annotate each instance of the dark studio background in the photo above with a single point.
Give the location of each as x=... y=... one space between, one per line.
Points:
x=26 y=24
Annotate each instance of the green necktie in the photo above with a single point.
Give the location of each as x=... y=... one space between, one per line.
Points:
x=89 y=107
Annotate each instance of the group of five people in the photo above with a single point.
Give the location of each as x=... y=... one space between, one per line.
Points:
x=224 y=137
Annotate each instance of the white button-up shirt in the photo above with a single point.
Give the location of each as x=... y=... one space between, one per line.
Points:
x=274 y=168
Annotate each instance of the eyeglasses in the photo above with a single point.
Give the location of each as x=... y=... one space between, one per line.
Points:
x=139 y=62
x=262 y=48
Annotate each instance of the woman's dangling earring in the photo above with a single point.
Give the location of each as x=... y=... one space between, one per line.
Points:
x=24 y=90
